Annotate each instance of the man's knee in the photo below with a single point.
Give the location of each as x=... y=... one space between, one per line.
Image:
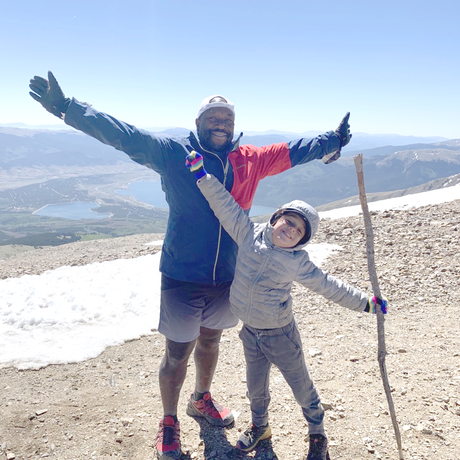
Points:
x=209 y=338
x=177 y=353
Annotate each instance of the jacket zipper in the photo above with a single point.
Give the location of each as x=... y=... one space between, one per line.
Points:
x=225 y=168
x=256 y=278
x=220 y=228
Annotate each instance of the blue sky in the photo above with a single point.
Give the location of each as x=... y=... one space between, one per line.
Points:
x=287 y=65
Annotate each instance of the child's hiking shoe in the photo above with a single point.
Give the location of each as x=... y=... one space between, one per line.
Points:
x=318 y=448
x=209 y=409
x=251 y=437
x=167 y=444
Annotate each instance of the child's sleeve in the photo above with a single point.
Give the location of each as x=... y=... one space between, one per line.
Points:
x=234 y=220
x=331 y=288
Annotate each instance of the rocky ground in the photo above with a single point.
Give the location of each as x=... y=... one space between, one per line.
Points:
x=109 y=407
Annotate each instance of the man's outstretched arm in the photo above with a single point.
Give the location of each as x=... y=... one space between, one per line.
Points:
x=139 y=145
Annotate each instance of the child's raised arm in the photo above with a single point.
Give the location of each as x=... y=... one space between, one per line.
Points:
x=234 y=220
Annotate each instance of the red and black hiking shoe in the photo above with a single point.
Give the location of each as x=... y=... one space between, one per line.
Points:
x=209 y=409
x=318 y=448
x=167 y=444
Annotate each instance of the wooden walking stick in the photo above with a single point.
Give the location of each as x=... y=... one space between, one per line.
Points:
x=376 y=289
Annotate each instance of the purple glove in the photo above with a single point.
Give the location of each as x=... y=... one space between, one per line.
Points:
x=194 y=162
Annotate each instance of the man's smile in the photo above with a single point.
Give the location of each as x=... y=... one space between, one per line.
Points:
x=219 y=134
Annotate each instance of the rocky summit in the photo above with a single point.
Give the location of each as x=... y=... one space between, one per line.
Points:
x=109 y=407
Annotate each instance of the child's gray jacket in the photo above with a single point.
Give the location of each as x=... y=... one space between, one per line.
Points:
x=261 y=291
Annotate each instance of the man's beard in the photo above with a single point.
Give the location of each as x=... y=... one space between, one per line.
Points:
x=205 y=136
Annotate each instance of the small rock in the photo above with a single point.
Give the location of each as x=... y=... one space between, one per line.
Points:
x=314 y=352
x=127 y=421
x=327 y=406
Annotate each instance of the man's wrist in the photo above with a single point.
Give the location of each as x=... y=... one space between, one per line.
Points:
x=63 y=105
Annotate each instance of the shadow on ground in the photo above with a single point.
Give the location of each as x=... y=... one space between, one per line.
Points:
x=217 y=446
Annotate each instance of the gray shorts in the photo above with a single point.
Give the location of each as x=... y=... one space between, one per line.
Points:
x=186 y=307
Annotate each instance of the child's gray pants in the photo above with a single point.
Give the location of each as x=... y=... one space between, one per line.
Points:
x=283 y=348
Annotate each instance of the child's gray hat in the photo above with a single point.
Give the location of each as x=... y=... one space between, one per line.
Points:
x=308 y=214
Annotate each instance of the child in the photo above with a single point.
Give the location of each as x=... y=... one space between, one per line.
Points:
x=270 y=257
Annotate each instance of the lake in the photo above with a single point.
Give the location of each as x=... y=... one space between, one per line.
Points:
x=145 y=191
x=151 y=193
x=75 y=211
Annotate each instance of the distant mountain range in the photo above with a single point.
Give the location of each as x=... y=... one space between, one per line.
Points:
x=360 y=140
x=395 y=169
x=387 y=167
x=30 y=147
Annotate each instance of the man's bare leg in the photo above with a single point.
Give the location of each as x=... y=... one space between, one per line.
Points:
x=201 y=404
x=173 y=369
x=206 y=355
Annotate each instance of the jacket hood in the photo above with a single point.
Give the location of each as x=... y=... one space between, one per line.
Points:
x=307 y=212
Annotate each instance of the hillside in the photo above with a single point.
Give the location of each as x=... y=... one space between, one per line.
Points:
x=436 y=184
x=319 y=184
x=41 y=167
x=108 y=407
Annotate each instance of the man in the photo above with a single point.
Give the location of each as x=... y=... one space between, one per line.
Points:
x=198 y=256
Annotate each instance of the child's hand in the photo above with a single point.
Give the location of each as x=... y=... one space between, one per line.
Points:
x=374 y=301
x=194 y=162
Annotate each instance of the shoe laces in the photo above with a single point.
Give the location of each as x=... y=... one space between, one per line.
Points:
x=254 y=432
x=210 y=407
x=168 y=434
x=317 y=444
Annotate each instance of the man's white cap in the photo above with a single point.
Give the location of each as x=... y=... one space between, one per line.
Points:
x=215 y=101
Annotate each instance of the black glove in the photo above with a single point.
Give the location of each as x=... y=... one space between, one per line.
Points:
x=343 y=131
x=49 y=94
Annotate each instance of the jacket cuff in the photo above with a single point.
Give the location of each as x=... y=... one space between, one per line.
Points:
x=205 y=178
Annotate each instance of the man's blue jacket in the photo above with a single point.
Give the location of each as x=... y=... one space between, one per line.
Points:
x=196 y=248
